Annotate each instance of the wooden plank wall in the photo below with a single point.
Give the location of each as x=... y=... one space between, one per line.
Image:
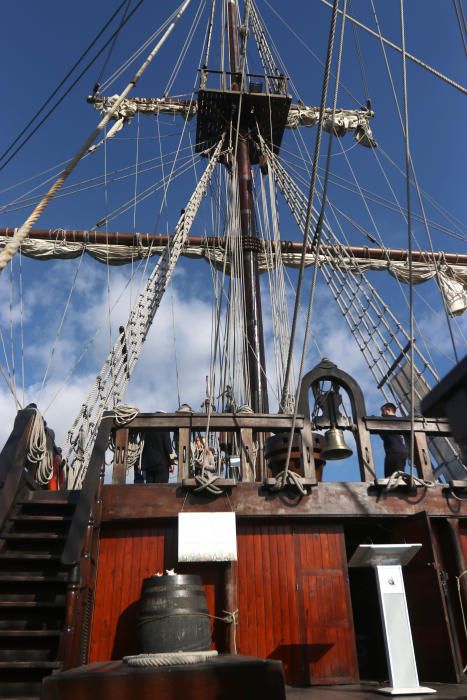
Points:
x=463 y=537
x=429 y=621
x=294 y=601
x=293 y=595
x=126 y=557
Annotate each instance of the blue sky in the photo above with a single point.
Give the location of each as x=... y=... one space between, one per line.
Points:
x=42 y=40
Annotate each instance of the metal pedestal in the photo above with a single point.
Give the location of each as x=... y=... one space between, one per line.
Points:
x=387 y=560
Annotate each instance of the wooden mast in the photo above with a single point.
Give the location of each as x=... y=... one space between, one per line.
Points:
x=250 y=241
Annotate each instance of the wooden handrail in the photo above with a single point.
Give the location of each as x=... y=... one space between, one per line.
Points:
x=13 y=461
x=88 y=496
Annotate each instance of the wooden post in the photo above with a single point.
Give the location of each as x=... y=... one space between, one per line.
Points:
x=67 y=641
x=453 y=526
x=306 y=452
x=365 y=453
x=184 y=450
x=422 y=457
x=231 y=605
x=247 y=454
x=121 y=456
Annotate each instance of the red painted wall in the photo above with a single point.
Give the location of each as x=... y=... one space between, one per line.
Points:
x=293 y=595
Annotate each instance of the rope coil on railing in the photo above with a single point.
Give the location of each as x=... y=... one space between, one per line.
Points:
x=403 y=479
x=125 y=414
x=289 y=478
x=207 y=483
x=38 y=454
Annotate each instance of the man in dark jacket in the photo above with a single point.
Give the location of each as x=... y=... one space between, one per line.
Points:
x=394 y=445
x=157 y=459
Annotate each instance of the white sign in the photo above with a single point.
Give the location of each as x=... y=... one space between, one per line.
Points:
x=207 y=537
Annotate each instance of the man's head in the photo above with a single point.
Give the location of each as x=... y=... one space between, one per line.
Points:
x=388 y=409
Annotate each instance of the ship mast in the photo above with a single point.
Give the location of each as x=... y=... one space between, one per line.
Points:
x=250 y=241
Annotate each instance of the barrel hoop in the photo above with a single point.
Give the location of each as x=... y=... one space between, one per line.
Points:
x=144 y=619
x=180 y=590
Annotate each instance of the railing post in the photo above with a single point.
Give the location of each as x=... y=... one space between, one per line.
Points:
x=422 y=457
x=247 y=455
x=120 y=457
x=67 y=638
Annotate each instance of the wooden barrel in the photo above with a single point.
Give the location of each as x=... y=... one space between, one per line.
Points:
x=275 y=452
x=173 y=615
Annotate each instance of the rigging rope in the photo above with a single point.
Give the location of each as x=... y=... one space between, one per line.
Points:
x=110 y=385
x=119 y=71
x=416 y=60
x=409 y=245
x=420 y=199
x=311 y=195
x=114 y=41
x=60 y=100
x=379 y=334
x=209 y=34
x=12 y=247
x=459 y=10
x=319 y=225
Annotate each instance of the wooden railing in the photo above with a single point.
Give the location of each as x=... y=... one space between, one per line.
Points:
x=80 y=555
x=89 y=495
x=250 y=430
x=13 y=462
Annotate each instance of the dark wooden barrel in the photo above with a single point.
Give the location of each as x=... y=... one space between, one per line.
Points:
x=275 y=452
x=173 y=615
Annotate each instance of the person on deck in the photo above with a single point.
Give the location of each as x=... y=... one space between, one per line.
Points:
x=157 y=460
x=395 y=447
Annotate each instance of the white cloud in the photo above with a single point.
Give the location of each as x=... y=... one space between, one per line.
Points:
x=169 y=355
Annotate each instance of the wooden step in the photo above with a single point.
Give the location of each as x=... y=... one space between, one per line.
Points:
x=41 y=518
x=28 y=536
x=20 y=690
x=24 y=678
x=33 y=578
x=35 y=655
x=34 y=621
x=50 y=496
x=21 y=563
x=33 y=597
x=7 y=634
x=35 y=604
x=33 y=665
x=8 y=555
x=44 y=508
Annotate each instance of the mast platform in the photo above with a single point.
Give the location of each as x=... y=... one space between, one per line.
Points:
x=259 y=112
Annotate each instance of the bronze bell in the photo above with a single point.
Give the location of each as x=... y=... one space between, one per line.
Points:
x=335 y=446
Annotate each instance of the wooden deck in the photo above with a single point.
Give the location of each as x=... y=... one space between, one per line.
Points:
x=366 y=691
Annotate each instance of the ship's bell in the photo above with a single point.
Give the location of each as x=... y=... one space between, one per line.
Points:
x=335 y=446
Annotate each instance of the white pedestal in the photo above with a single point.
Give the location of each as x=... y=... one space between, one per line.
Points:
x=387 y=560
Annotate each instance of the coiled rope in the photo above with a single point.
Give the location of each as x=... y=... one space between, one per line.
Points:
x=38 y=454
x=206 y=482
x=123 y=414
x=177 y=658
x=403 y=479
x=289 y=478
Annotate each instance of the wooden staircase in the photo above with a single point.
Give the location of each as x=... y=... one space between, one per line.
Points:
x=33 y=588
